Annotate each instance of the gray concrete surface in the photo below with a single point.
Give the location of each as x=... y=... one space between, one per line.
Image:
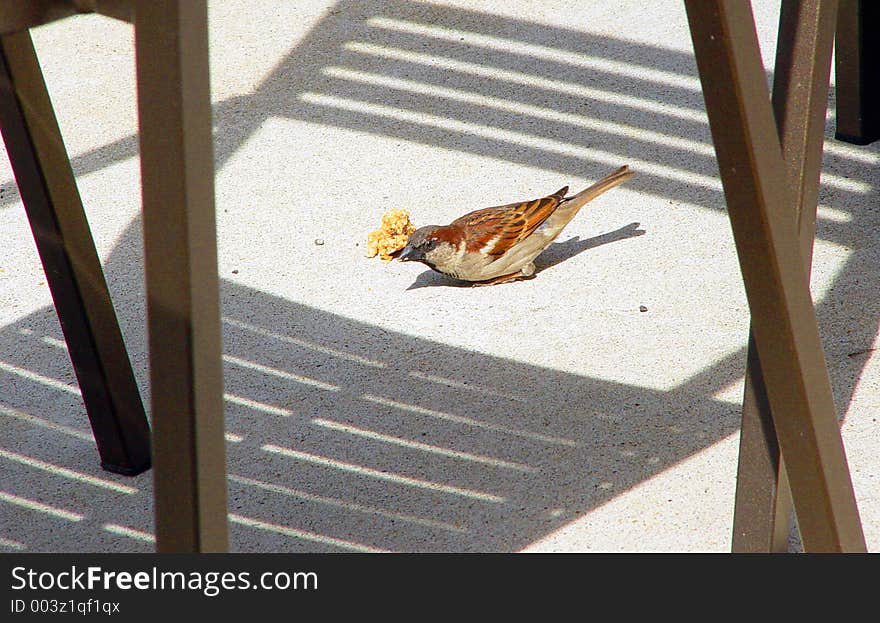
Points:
x=374 y=406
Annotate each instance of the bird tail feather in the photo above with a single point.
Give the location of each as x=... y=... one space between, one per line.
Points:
x=572 y=205
x=606 y=183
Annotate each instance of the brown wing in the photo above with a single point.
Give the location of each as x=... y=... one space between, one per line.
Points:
x=495 y=230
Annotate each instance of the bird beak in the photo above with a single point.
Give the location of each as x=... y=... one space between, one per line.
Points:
x=409 y=254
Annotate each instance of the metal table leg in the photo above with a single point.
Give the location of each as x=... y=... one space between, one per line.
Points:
x=177 y=169
x=73 y=269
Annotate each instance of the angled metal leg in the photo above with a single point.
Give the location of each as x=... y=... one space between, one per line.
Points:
x=783 y=320
x=803 y=65
x=763 y=501
x=857 y=67
x=177 y=169
x=73 y=269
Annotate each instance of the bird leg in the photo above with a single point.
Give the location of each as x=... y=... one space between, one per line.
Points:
x=501 y=279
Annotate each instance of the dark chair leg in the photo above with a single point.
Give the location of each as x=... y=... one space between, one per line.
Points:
x=73 y=269
x=857 y=67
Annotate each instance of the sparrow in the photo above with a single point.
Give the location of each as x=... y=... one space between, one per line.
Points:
x=498 y=244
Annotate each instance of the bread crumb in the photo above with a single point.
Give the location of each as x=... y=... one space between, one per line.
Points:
x=391 y=236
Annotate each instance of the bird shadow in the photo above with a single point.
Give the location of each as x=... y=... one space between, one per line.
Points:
x=560 y=251
x=554 y=254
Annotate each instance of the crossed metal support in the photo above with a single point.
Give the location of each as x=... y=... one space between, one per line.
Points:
x=803 y=65
x=182 y=283
x=769 y=169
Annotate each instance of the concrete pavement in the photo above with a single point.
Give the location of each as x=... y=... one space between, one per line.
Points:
x=375 y=406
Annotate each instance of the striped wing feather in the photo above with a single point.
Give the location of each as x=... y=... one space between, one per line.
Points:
x=495 y=230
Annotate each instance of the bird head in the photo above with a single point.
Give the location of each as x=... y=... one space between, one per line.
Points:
x=423 y=245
